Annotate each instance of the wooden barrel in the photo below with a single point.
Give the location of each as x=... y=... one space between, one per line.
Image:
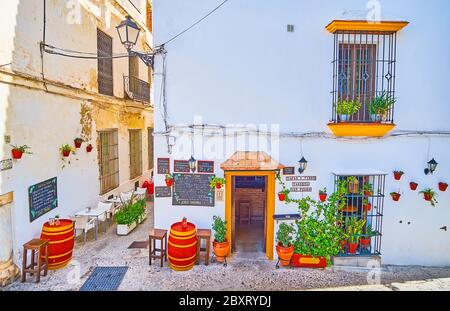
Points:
x=61 y=243
x=182 y=248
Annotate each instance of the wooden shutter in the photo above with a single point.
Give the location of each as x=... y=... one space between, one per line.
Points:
x=105 y=65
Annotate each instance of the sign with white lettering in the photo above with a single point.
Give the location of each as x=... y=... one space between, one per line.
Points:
x=301 y=184
x=301 y=178
x=301 y=189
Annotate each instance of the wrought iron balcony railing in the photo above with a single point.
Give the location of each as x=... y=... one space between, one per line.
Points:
x=137 y=89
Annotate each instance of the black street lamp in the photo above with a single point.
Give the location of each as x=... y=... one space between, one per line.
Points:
x=192 y=163
x=128 y=33
x=302 y=165
x=432 y=164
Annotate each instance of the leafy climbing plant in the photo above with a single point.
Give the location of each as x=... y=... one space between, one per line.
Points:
x=220 y=229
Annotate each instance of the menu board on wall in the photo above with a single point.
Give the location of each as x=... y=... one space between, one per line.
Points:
x=289 y=170
x=163 y=165
x=192 y=190
x=181 y=166
x=163 y=192
x=42 y=198
x=205 y=166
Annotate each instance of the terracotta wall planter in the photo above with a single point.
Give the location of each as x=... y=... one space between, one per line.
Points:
x=322 y=197
x=77 y=143
x=89 y=148
x=16 y=154
x=305 y=261
x=398 y=175
x=443 y=186
x=396 y=196
x=281 y=196
x=169 y=182
x=66 y=153
x=413 y=186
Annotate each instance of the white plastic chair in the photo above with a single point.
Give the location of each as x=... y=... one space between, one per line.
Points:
x=126 y=197
x=141 y=193
x=84 y=224
x=107 y=207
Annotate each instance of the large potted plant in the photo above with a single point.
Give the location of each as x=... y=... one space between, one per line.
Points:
x=429 y=195
x=129 y=217
x=379 y=106
x=354 y=231
x=346 y=108
x=285 y=248
x=18 y=151
x=221 y=246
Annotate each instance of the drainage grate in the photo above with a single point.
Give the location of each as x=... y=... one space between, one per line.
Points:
x=104 y=279
x=139 y=244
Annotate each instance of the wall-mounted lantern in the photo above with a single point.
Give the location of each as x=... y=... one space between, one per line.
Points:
x=302 y=165
x=192 y=164
x=432 y=164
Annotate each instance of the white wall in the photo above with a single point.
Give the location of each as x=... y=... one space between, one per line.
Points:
x=242 y=66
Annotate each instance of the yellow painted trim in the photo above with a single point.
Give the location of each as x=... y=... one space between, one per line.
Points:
x=182 y=246
x=361 y=129
x=179 y=233
x=182 y=259
x=6 y=198
x=181 y=268
x=350 y=25
x=58 y=229
x=62 y=255
x=59 y=265
x=270 y=205
x=62 y=241
x=181 y=238
x=57 y=233
x=311 y=261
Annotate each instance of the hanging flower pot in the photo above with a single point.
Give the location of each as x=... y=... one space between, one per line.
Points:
x=218 y=185
x=413 y=186
x=429 y=195
x=169 y=181
x=16 y=154
x=216 y=182
x=281 y=196
x=66 y=150
x=89 y=148
x=323 y=194
x=443 y=186
x=18 y=151
x=395 y=196
x=398 y=175
x=78 y=141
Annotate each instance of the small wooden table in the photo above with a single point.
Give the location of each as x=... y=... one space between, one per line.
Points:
x=203 y=234
x=161 y=235
x=34 y=268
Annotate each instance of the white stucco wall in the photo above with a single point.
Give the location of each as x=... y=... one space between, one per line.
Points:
x=242 y=66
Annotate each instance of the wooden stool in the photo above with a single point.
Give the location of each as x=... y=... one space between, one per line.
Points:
x=161 y=235
x=203 y=234
x=36 y=246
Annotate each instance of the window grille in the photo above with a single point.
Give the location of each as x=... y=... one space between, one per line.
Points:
x=364 y=200
x=135 y=153
x=109 y=160
x=363 y=68
x=104 y=65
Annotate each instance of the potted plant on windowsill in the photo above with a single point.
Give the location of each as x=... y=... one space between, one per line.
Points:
x=216 y=182
x=353 y=184
x=323 y=194
x=284 y=247
x=283 y=194
x=221 y=246
x=346 y=108
x=429 y=195
x=66 y=150
x=443 y=186
x=367 y=206
x=367 y=237
x=354 y=230
x=379 y=106
x=368 y=190
x=18 y=151
x=398 y=175
x=395 y=196
x=78 y=141
x=169 y=180
x=413 y=186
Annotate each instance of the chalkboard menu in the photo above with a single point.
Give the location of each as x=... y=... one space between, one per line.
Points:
x=290 y=170
x=205 y=167
x=163 y=192
x=192 y=190
x=42 y=198
x=181 y=166
x=163 y=165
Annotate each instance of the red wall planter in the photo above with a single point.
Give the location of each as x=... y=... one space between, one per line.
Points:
x=281 y=196
x=77 y=143
x=443 y=186
x=427 y=197
x=66 y=153
x=89 y=148
x=322 y=197
x=169 y=182
x=413 y=186
x=16 y=154
x=395 y=196
x=304 y=261
x=398 y=175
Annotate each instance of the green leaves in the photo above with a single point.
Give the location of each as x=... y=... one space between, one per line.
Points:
x=220 y=229
x=348 y=107
x=284 y=234
x=381 y=104
x=130 y=213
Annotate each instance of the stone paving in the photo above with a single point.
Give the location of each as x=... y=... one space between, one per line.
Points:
x=242 y=272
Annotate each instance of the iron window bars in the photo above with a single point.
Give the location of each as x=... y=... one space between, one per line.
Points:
x=364 y=202
x=363 y=68
x=109 y=160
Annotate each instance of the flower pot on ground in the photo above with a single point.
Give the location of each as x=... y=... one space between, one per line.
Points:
x=398 y=175
x=18 y=151
x=216 y=182
x=129 y=217
x=284 y=247
x=323 y=194
x=66 y=150
x=413 y=186
x=379 y=106
x=429 y=195
x=346 y=108
x=395 y=196
x=89 y=148
x=78 y=141
x=221 y=247
x=443 y=186
x=169 y=180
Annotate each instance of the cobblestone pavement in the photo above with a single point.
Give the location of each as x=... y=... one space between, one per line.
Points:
x=242 y=272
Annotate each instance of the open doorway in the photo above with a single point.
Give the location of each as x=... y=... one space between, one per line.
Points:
x=250 y=207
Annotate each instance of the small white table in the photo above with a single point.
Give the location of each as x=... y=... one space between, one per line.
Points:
x=93 y=213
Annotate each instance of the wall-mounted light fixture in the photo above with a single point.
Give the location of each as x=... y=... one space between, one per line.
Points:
x=432 y=164
x=192 y=164
x=302 y=165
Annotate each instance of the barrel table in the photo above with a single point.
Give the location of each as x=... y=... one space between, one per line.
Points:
x=182 y=246
x=61 y=243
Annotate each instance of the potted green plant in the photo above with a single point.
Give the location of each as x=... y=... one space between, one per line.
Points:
x=284 y=247
x=398 y=175
x=169 y=180
x=429 y=195
x=346 y=108
x=323 y=194
x=283 y=194
x=353 y=184
x=379 y=106
x=443 y=186
x=395 y=196
x=367 y=206
x=413 y=185
x=216 y=182
x=354 y=230
x=221 y=246
x=129 y=217
x=66 y=150
x=18 y=151
x=368 y=189
x=78 y=141
x=367 y=237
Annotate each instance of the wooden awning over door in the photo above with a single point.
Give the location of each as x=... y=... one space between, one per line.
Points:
x=251 y=161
